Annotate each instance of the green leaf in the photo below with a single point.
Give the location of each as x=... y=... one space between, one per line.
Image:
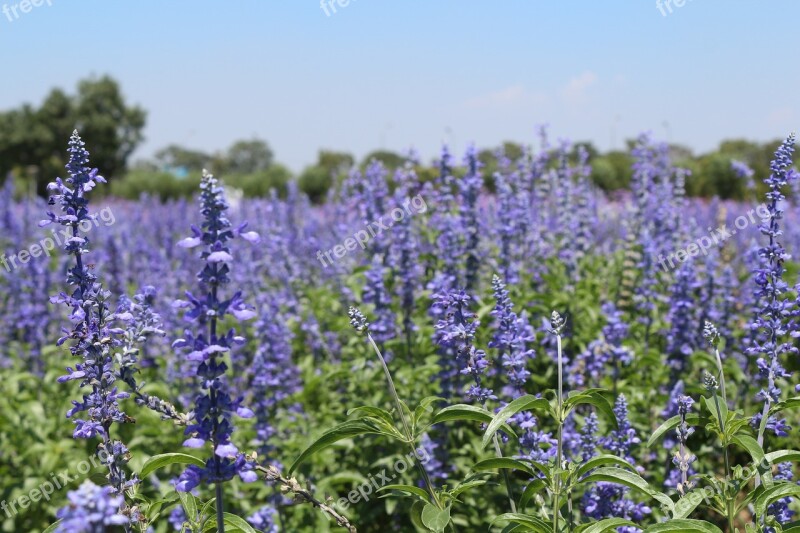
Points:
x=467 y=412
x=790 y=403
x=189 y=505
x=465 y=486
x=52 y=527
x=434 y=518
x=535 y=524
x=683 y=526
x=524 y=403
x=686 y=505
x=629 y=479
x=425 y=405
x=595 y=398
x=411 y=489
x=237 y=524
x=345 y=430
x=691 y=419
x=782 y=456
x=376 y=412
x=533 y=488
x=165 y=459
x=503 y=463
x=416 y=515
x=608 y=524
x=711 y=405
x=601 y=460
x=757 y=453
x=781 y=490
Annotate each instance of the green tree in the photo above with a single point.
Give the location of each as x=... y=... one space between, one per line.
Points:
x=32 y=140
x=247 y=157
x=315 y=181
x=177 y=157
x=337 y=163
x=390 y=160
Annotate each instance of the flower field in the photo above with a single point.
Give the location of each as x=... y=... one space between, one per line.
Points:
x=416 y=353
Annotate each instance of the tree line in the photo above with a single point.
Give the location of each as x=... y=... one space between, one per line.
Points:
x=31 y=151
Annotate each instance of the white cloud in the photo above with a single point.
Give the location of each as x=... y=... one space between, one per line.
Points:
x=575 y=92
x=514 y=95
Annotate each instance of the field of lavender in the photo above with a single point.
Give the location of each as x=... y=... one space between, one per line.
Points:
x=411 y=355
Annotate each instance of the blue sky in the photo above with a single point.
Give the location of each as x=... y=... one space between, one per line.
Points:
x=395 y=74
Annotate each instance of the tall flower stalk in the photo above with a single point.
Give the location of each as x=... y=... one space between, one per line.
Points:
x=773 y=308
x=683 y=458
x=711 y=334
x=214 y=407
x=360 y=324
x=557 y=324
x=92 y=337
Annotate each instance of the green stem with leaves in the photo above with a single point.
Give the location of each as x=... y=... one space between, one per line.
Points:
x=721 y=376
x=730 y=502
x=399 y=406
x=560 y=446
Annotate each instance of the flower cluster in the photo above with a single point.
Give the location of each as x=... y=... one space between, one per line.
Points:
x=92 y=336
x=606 y=500
x=91 y=509
x=206 y=347
x=773 y=321
x=683 y=458
x=511 y=338
x=607 y=352
x=456 y=332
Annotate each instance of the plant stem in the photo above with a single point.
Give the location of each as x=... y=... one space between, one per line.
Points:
x=272 y=474
x=729 y=502
x=402 y=414
x=724 y=438
x=559 y=421
x=507 y=480
x=721 y=377
x=220 y=510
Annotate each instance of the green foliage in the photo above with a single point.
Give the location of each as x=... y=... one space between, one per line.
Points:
x=32 y=139
x=315 y=182
x=161 y=184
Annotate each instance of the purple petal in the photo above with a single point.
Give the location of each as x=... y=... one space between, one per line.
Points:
x=194 y=442
x=190 y=242
x=226 y=450
x=219 y=257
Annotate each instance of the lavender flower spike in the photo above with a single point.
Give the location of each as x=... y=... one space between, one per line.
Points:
x=92 y=337
x=214 y=407
x=773 y=324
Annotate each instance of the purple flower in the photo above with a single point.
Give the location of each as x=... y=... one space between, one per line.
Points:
x=92 y=337
x=455 y=332
x=214 y=407
x=265 y=519
x=511 y=338
x=91 y=509
x=681 y=337
x=590 y=365
x=773 y=322
x=624 y=438
x=743 y=170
